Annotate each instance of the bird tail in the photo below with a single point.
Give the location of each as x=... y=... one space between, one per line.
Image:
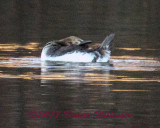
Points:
x=107 y=41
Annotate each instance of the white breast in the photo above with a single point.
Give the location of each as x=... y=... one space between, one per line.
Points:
x=74 y=57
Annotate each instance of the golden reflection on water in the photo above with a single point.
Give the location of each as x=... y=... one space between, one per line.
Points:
x=132 y=57
x=85 y=77
x=125 y=63
x=119 y=90
x=100 y=84
x=28 y=75
x=130 y=49
x=34 y=46
x=122 y=80
x=137 y=49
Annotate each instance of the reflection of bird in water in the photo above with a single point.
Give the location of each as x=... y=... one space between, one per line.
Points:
x=67 y=73
x=77 y=50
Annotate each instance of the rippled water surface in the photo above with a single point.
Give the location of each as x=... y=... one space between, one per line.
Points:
x=128 y=84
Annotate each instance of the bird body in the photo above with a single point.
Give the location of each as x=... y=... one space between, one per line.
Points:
x=75 y=49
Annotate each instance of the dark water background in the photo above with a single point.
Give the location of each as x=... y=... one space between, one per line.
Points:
x=129 y=85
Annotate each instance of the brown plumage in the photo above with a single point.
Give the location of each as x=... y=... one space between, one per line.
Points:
x=75 y=44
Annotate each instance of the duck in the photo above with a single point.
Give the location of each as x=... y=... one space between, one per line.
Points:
x=75 y=49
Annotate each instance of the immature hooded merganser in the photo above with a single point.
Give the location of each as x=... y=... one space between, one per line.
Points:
x=75 y=49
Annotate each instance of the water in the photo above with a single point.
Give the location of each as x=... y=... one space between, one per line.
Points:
x=129 y=84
